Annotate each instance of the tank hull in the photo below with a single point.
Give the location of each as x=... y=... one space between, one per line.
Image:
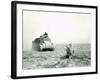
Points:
x=46 y=46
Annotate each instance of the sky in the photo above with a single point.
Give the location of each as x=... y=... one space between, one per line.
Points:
x=61 y=27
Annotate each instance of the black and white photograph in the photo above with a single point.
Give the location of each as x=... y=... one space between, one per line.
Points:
x=54 y=39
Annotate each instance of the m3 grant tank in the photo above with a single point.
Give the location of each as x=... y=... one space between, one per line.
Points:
x=43 y=43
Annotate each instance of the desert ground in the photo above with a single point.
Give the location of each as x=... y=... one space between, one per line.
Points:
x=81 y=56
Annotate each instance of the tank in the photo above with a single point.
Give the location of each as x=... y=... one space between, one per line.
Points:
x=43 y=43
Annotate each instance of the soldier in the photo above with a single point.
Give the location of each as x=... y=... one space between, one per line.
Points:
x=68 y=51
x=45 y=36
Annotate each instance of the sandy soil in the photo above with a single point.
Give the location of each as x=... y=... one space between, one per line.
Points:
x=56 y=59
